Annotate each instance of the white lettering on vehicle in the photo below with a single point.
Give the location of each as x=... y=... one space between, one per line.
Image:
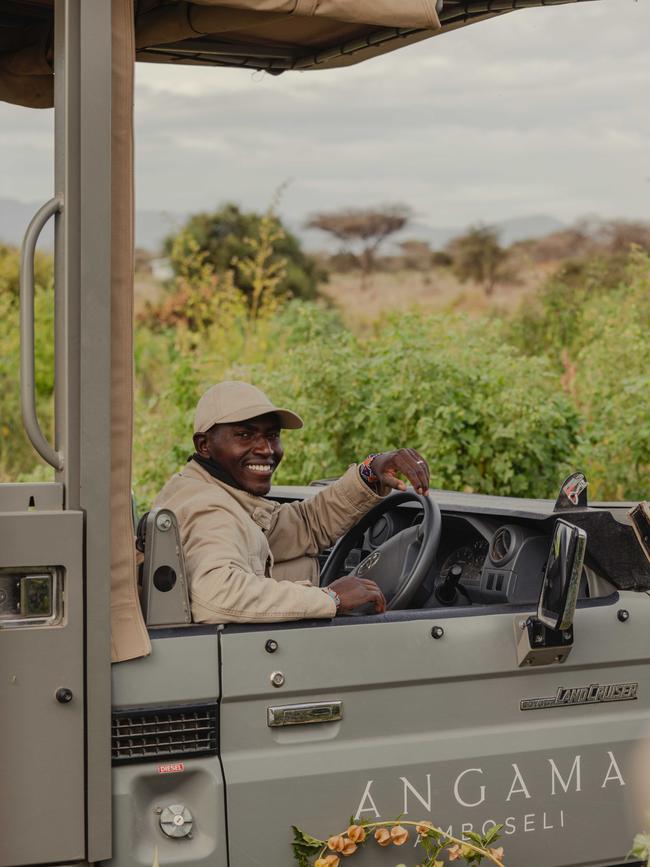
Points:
x=457 y=793
x=522 y=789
x=367 y=797
x=529 y=820
x=526 y=824
x=555 y=775
x=409 y=787
x=469 y=789
x=613 y=766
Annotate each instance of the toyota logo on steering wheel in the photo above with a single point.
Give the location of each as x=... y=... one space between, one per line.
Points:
x=367 y=564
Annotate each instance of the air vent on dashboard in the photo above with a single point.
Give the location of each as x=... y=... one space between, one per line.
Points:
x=503 y=546
x=155 y=733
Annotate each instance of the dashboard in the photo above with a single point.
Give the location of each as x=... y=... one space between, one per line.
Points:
x=481 y=560
x=494 y=548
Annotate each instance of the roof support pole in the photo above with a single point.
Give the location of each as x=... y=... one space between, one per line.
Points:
x=83 y=355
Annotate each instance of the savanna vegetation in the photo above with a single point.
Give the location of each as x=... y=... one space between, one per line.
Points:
x=501 y=402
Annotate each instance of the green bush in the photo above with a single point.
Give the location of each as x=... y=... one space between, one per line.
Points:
x=488 y=403
x=17 y=458
x=486 y=419
x=553 y=324
x=10 y=269
x=612 y=385
x=222 y=235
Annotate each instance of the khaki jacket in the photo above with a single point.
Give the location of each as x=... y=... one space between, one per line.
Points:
x=250 y=559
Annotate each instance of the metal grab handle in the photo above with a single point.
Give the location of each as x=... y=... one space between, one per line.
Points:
x=27 y=383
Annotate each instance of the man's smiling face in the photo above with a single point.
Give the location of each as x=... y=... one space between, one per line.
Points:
x=249 y=451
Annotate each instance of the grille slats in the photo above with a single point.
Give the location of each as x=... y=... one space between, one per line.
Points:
x=163 y=733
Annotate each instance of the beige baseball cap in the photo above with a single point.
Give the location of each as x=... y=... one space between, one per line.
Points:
x=232 y=401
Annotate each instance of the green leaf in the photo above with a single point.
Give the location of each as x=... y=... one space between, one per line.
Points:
x=492 y=835
x=304 y=846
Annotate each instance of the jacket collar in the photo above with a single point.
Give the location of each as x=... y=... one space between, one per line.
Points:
x=260 y=509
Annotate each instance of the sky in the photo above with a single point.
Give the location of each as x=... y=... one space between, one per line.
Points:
x=542 y=111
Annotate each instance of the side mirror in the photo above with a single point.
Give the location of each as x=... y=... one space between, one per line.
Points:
x=562 y=574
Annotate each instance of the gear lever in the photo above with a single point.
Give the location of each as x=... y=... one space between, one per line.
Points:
x=447 y=592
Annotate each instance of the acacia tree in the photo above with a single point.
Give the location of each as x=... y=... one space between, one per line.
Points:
x=362 y=230
x=477 y=255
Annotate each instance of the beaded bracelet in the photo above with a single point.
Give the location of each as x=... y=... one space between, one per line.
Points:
x=365 y=469
x=333 y=595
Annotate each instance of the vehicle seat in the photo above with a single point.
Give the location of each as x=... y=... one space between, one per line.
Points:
x=164 y=595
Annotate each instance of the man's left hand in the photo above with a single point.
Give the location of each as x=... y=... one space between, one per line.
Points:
x=406 y=462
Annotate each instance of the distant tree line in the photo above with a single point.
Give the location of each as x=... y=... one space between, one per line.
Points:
x=476 y=256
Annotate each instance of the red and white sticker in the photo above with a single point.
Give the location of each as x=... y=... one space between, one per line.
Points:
x=172 y=768
x=574 y=486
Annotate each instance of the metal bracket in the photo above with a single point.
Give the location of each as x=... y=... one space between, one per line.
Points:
x=536 y=644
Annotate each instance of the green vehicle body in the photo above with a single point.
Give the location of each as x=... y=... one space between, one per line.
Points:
x=208 y=750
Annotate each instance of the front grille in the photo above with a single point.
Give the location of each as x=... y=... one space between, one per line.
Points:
x=139 y=735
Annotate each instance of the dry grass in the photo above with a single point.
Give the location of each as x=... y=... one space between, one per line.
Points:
x=435 y=290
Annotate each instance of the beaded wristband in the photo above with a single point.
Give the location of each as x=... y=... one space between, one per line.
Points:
x=333 y=595
x=365 y=469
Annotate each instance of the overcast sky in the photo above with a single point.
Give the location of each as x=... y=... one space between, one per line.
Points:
x=543 y=111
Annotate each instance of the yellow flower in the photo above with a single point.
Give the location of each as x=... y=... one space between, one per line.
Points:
x=356 y=833
x=336 y=843
x=382 y=836
x=399 y=835
x=328 y=861
x=349 y=848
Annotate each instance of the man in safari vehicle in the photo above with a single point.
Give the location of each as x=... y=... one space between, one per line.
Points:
x=250 y=558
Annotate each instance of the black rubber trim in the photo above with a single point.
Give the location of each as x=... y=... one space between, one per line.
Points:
x=388 y=617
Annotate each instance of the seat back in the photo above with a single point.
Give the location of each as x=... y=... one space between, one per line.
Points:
x=165 y=597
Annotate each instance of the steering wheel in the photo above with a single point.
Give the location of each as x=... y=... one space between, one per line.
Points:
x=400 y=564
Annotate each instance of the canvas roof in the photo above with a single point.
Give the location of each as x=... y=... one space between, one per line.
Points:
x=272 y=35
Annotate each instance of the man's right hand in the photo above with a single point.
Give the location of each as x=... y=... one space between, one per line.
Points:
x=353 y=592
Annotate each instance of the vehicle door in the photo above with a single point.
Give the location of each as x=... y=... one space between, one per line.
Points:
x=426 y=715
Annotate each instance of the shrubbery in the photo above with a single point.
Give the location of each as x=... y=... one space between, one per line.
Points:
x=501 y=408
x=612 y=387
x=486 y=420
x=17 y=458
x=223 y=235
x=497 y=407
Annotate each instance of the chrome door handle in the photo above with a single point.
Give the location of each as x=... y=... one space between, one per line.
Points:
x=304 y=714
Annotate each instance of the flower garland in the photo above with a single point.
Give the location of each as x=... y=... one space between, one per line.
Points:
x=472 y=849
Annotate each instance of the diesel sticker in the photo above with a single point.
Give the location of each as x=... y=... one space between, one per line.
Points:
x=595 y=693
x=172 y=768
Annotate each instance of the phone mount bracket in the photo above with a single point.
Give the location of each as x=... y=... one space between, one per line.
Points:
x=538 y=645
